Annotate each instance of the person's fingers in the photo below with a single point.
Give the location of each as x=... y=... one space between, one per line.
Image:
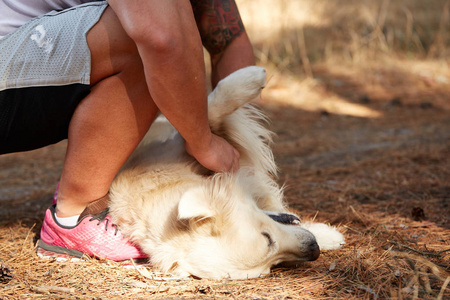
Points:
x=219 y=156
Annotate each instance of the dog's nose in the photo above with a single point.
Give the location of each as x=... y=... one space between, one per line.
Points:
x=314 y=250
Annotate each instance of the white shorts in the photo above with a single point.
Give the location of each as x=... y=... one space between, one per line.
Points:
x=50 y=49
x=45 y=70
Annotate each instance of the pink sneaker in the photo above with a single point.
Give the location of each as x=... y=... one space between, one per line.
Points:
x=95 y=235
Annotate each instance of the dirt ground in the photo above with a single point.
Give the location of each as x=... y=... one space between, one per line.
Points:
x=369 y=154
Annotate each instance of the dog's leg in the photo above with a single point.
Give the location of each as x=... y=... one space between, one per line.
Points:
x=244 y=129
x=326 y=236
x=234 y=91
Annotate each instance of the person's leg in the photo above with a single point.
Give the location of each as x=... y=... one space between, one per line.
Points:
x=109 y=123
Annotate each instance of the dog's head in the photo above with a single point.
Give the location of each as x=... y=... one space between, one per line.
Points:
x=225 y=235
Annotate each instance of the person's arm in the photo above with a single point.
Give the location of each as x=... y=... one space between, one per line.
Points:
x=223 y=35
x=237 y=55
x=170 y=48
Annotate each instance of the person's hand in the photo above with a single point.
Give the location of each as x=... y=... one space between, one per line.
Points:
x=217 y=155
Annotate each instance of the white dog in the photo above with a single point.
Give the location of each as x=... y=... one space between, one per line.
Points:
x=217 y=226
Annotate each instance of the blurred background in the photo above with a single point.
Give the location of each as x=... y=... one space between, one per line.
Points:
x=381 y=47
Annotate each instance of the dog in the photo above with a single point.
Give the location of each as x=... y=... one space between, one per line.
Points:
x=194 y=223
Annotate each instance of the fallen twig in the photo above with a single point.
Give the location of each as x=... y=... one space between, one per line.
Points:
x=438 y=272
x=444 y=286
x=417 y=251
x=52 y=289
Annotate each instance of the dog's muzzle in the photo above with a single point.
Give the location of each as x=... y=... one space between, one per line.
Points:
x=310 y=249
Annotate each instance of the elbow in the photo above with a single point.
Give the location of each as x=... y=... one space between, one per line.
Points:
x=159 y=29
x=156 y=41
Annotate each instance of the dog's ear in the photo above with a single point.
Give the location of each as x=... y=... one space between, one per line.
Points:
x=194 y=205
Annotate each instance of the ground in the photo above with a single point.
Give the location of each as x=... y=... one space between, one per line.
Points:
x=358 y=96
x=367 y=157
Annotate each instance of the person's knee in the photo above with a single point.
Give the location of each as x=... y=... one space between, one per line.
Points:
x=112 y=50
x=114 y=56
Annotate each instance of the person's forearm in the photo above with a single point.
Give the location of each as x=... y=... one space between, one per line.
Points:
x=169 y=44
x=170 y=49
x=238 y=54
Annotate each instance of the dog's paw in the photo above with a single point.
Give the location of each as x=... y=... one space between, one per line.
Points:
x=234 y=91
x=245 y=84
x=326 y=236
x=247 y=81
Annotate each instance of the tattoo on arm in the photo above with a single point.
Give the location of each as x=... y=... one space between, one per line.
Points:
x=218 y=22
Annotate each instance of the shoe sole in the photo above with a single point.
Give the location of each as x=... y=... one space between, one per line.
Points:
x=61 y=254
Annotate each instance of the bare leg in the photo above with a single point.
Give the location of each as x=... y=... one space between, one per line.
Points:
x=110 y=122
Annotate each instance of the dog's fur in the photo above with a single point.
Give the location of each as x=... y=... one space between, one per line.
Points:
x=217 y=226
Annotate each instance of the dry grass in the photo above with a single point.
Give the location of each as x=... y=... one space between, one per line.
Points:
x=347 y=30
x=358 y=97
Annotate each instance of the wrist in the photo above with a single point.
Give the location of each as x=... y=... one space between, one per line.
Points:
x=197 y=145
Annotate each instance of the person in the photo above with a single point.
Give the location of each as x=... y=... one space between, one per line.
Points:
x=98 y=73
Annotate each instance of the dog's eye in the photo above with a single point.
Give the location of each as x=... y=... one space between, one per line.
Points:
x=268 y=237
